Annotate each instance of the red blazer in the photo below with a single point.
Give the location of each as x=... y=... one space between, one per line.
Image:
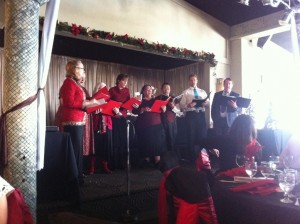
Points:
x=72 y=96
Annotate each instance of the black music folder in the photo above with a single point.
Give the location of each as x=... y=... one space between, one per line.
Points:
x=199 y=102
x=240 y=101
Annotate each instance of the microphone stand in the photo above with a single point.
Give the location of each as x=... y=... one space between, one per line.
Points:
x=128 y=217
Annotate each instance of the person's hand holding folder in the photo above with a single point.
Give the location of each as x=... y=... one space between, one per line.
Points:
x=159 y=106
x=145 y=109
x=135 y=105
x=163 y=108
x=93 y=103
x=200 y=102
x=232 y=104
x=131 y=103
x=236 y=101
x=102 y=94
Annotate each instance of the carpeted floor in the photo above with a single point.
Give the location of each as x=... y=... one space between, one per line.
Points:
x=108 y=199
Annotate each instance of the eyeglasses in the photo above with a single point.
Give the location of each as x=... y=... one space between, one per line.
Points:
x=80 y=68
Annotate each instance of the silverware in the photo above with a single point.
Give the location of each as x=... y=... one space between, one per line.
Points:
x=228 y=181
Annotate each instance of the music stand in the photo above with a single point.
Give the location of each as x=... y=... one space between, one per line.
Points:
x=128 y=217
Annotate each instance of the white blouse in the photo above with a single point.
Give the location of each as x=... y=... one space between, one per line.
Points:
x=5 y=187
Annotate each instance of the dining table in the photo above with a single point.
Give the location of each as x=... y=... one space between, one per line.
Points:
x=58 y=180
x=245 y=208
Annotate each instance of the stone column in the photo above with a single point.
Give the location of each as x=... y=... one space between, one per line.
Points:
x=21 y=42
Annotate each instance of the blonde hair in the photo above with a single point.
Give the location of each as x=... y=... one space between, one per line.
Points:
x=70 y=68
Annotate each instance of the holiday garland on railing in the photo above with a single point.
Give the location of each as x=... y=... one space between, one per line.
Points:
x=137 y=42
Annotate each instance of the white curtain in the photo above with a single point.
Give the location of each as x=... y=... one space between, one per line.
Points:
x=44 y=62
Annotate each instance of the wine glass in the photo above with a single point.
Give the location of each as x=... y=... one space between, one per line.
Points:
x=287 y=184
x=287 y=161
x=274 y=160
x=266 y=169
x=251 y=168
x=240 y=160
x=295 y=172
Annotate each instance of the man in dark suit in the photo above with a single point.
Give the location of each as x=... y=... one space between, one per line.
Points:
x=224 y=114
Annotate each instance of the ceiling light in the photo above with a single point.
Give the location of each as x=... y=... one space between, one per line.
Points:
x=244 y=2
x=273 y=3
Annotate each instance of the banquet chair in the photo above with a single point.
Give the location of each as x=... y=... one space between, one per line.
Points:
x=185 y=196
x=13 y=208
x=18 y=211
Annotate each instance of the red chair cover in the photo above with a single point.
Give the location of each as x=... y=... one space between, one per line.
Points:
x=185 y=212
x=162 y=200
x=18 y=211
x=203 y=211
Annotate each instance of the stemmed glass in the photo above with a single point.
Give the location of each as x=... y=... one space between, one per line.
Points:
x=295 y=172
x=240 y=160
x=287 y=161
x=287 y=184
x=266 y=169
x=274 y=160
x=251 y=168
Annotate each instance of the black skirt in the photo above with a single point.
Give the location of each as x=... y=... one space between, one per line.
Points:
x=151 y=140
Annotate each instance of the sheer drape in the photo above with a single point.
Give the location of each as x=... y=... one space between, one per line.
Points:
x=44 y=61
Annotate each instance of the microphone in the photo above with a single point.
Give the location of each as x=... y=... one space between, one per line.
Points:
x=123 y=116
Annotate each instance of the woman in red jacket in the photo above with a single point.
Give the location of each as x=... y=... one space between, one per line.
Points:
x=73 y=103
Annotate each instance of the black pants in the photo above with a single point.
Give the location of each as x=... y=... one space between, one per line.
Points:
x=196 y=131
x=103 y=146
x=221 y=126
x=76 y=133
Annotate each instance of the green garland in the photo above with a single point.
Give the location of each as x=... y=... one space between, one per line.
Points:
x=137 y=42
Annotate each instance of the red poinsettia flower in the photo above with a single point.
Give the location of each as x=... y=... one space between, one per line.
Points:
x=141 y=41
x=109 y=36
x=95 y=35
x=186 y=52
x=125 y=36
x=75 y=29
x=172 y=49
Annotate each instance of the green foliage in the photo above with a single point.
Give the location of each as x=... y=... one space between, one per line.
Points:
x=137 y=42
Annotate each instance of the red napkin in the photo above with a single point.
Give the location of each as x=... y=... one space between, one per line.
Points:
x=239 y=171
x=253 y=149
x=203 y=161
x=262 y=187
